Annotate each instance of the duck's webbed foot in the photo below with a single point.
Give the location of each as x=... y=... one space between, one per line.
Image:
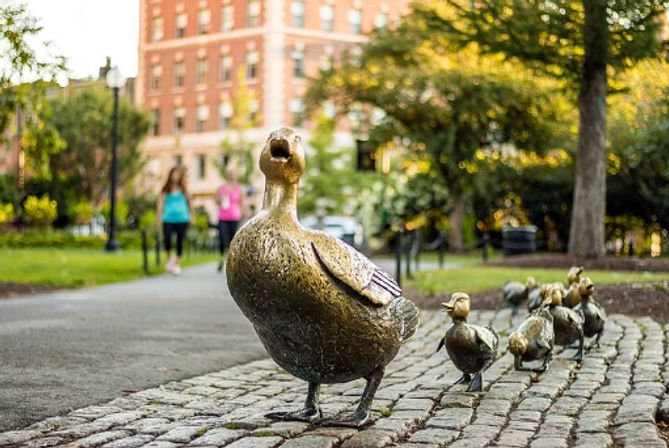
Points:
x=595 y=343
x=309 y=413
x=361 y=415
x=578 y=357
x=464 y=379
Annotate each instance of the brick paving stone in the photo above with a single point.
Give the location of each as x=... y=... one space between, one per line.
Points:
x=546 y=442
x=593 y=440
x=369 y=438
x=218 y=437
x=256 y=442
x=514 y=437
x=182 y=434
x=434 y=436
x=311 y=442
x=99 y=439
x=129 y=442
x=161 y=444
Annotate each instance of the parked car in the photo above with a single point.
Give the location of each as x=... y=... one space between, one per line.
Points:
x=346 y=228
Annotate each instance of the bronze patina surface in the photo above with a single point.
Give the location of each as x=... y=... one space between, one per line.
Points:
x=567 y=323
x=324 y=312
x=572 y=295
x=533 y=340
x=471 y=348
x=516 y=293
x=593 y=313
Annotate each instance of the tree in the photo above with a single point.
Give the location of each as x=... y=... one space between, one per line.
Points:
x=575 y=42
x=445 y=107
x=23 y=66
x=83 y=118
x=235 y=145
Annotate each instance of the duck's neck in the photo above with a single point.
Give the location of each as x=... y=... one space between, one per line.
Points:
x=280 y=198
x=459 y=320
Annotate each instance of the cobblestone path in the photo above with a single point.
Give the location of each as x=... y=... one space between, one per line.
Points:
x=611 y=400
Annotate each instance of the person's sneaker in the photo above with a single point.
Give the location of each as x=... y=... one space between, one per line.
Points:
x=176 y=270
x=169 y=267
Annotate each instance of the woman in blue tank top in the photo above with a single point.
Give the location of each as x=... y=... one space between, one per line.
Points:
x=174 y=212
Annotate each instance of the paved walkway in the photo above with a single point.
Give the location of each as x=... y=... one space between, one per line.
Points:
x=69 y=349
x=611 y=400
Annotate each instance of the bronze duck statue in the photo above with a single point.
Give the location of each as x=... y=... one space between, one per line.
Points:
x=535 y=298
x=593 y=313
x=533 y=340
x=572 y=296
x=471 y=348
x=324 y=312
x=516 y=293
x=567 y=323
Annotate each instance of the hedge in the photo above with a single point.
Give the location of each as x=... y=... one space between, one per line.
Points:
x=129 y=239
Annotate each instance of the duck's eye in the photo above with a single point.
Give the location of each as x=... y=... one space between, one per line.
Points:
x=297 y=138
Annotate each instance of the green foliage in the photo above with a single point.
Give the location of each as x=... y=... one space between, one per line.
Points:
x=121 y=212
x=40 y=211
x=81 y=212
x=8 y=191
x=6 y=213
x=147 y=220
x=236 y=148
x=83 y=118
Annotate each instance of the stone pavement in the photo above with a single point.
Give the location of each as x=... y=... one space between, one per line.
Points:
x=611 y=400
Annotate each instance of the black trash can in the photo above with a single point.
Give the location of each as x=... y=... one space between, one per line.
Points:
x=519 y=240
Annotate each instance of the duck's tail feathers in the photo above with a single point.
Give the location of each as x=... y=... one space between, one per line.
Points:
x=408 y=313
x=493 y=331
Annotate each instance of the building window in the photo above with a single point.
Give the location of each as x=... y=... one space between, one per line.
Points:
x=227 y=18
x=179 y=114
x=224 y=114
x=297 y=108
x=177 y=160
x=252 y=65
x=202 y=118
x=154 y=82
x=253 y=13
x=381 y=20
x=182 y=21
x=355 y=21
x=327 y=18
x=297 y=11
x=254 y=107
x=155 y=121
x=203 y=19
x=178 y=74
x=157 y=29
x=225 y=68
x=201 y=168
x=298 y=64
x=201 y=71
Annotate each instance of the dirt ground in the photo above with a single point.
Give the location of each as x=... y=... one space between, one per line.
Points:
x=564 y=261
x=9 y=290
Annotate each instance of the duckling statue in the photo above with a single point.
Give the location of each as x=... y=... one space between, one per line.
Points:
x=567 y=323
x=593 y=313
x=572 y=296
x=471 y=348
x=537 y=295
x=324 y=312
x=516 y=293
x=533 y=340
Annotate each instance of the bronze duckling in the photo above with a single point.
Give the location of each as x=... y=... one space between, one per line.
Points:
x=533 y=340
x=516 y=293
x=567 y=323
x=593 y=313
x=572 y=296
x=324 y=312
x=471 y=348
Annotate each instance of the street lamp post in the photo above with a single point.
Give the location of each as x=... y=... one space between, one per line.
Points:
x=115 y=81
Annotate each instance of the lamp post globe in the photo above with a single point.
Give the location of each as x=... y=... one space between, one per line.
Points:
x=115 y=81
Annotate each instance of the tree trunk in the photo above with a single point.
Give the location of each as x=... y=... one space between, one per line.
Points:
x=455 y=239
x=586 y=233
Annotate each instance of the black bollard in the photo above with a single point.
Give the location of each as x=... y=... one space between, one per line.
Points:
x=486 y=240
x=442 y=249
x=417 y=250
x=156 y=246
x=408 y=256
x=398 y=257
x=145 y=252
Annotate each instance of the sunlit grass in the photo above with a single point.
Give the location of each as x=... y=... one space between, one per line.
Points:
x=79 y=267
x=474 y=278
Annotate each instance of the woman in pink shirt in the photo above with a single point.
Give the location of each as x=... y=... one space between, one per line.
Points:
x=229 y=198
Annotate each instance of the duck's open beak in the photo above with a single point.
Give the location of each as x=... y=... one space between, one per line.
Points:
x=279 y=149
x=450 y=306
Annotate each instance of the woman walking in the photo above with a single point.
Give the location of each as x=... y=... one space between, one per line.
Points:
x=174 y=211
x=229 y=198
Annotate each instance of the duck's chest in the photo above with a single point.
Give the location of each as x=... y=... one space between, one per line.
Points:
x=463 y=348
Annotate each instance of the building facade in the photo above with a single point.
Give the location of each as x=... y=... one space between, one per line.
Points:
x=192 y=51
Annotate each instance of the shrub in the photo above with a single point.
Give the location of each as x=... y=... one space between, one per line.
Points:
x=50 y=238
x=147 y=221
x=81 y=212
x=40 y=211
x=6 y=213
x=121 y=212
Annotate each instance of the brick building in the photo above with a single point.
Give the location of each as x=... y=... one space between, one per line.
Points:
x=190 y=52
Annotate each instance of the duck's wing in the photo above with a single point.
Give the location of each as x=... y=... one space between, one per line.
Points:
x=355 y=270
x=485 y=337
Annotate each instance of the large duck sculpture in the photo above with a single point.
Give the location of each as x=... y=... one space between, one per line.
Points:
x=593 y=313
x=567 y=323
x=324 y=312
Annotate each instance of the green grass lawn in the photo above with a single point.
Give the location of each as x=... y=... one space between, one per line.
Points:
x=474 y=278
x=79 y=267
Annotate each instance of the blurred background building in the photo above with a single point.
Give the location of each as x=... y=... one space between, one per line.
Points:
x=190 y=57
